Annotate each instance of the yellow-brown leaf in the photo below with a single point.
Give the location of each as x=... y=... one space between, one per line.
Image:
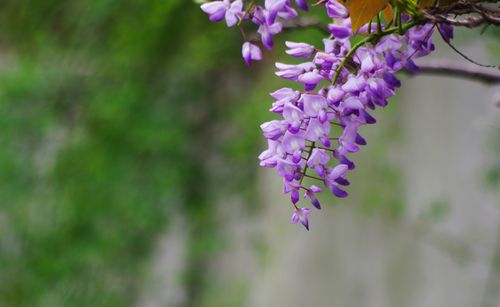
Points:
x=388 y=14
x=362 y=11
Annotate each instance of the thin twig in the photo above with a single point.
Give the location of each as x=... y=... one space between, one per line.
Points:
x=461 y=53
x=458 y=70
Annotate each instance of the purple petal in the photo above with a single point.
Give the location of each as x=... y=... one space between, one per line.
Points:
x=412 y=67
x=313 y=104
x=391 y=80
x=275 y=5
x=338 y=192
x=251 y=53
x=446 y=31
x=302 y=4
x=233 y=12
x=336 y=10
x=295 y=196
x=339 y=31
x=315 y=203
x=216 y=10
x=338 y=171
x=310 y=79
x=342 y=181
x=353 y=103
x=360 y=140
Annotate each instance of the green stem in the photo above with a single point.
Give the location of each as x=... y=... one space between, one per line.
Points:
x=249 y=8
x=395 y=16
x=309 y=152
x=400 y=24
x=314 y=177
x=379 y=24
x=349 y=54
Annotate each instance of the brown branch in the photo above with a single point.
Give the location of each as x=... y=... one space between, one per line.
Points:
x=457 y=70
x=467 y=13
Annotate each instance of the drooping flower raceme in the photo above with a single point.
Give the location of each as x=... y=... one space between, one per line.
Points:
x=318 y=129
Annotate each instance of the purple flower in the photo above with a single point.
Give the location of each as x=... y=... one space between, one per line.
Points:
x=354 y=84
x=251 y=53
x=369 y=63
x=352 y=103
x=233 y=12
x=288 y=13
x=293 y=116
x=337 y=191
x=337 y=174
x=389 y=43
x=267 y=25
x=315 y=106
x=341 y=31
x=274 y=6
x=446 y=31
x=338 y=171
x=218 y=10
x=348 y=138
x=292 y=72
x=391 y=80
x=292 y=188
x=379 y=90
x=310 y=79
x=287 y=169
x=412 y=67
x=300 y=50
x=267 y=31
x=335 y=95
x=318 y=160
x=393 y=62
x=284 y=96
x=418 y=40
x=325 y=62
x=301 y=214
x=336 y=10
x=293 y=143
x=285 y=93
x=311 y=194
x=269 y=157
x=338 y=47
x=317 y=131
x=274 y=129
x=363 y=82
x=365 y=118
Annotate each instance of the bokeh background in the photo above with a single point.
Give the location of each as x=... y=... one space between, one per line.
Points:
x=129 y=132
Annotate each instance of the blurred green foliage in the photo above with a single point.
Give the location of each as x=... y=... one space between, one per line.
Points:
x=106 y=110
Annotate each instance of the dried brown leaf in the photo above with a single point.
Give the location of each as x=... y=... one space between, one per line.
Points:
x=362 y=11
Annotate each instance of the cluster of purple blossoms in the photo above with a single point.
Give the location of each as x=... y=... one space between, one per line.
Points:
x=266 y=17
x=318 y=128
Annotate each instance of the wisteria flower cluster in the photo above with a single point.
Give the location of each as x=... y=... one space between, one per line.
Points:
x=318 y=128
